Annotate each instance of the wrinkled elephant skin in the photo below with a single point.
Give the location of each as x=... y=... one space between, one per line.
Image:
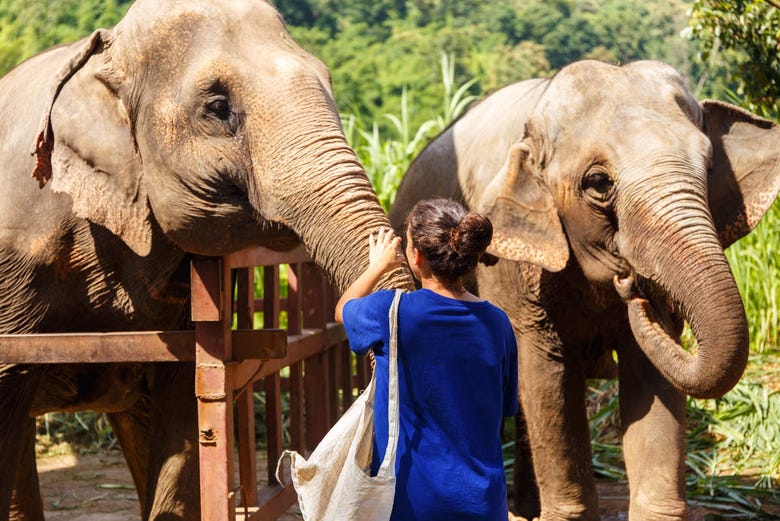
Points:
x=612 y=193
x=195 y=127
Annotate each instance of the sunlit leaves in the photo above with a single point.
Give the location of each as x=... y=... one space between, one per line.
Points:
x=28 y=27
x=750 y=28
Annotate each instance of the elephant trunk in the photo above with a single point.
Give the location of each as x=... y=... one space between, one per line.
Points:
x=319 y=190
x=685 y=258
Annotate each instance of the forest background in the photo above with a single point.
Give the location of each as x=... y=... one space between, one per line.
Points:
x=404 y=69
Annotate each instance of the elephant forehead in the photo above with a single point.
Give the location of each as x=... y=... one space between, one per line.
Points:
x=599 y=89
x=604 y=127
x=151 y=11
x=168 y=26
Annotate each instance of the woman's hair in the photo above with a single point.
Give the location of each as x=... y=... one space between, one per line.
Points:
x=449 y=237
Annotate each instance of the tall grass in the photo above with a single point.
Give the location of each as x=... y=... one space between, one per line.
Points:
x=755 y=262
x=386 y=159
x=732 y=457
x=387 y=156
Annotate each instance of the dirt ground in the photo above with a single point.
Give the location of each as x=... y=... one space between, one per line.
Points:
x=95 y=487
x=98 y=487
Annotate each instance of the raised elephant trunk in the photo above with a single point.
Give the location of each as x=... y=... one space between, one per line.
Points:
x=321 y=192
x=686 y=260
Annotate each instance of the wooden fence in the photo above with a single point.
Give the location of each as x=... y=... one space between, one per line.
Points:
x=308 y=364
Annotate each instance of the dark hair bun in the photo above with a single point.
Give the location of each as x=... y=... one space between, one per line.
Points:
x=472 y=235
x=449 y=237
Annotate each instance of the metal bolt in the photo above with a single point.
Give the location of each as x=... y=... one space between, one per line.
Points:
x=208 y=436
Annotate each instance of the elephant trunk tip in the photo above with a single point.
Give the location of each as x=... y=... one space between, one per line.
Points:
x=710 y=371
x=716 y=373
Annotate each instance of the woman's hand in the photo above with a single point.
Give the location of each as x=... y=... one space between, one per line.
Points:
x=384 y=255
x=384 y=252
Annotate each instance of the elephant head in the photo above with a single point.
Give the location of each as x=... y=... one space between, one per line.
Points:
x=202 y=124
x=623 y=170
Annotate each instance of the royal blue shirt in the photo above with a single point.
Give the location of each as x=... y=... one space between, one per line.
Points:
x=457 y=380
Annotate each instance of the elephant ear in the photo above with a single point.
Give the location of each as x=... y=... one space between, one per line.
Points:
x=85 y=146
x=525 y=220
x=745 y=175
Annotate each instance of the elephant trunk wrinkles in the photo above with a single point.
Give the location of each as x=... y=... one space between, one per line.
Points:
x=686 y=260
x=324 y=196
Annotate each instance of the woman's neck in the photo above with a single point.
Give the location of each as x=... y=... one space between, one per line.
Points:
x=453 y=290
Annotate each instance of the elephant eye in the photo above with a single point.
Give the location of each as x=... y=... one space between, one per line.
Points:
x=219 y=107
x=598 y=185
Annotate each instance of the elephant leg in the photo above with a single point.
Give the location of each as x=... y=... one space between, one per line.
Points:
x=173 y=489
x=132 y=429
x=653 y=416
x=18 y=384
x=26 y=503
x=552 y=392
x=526 y=493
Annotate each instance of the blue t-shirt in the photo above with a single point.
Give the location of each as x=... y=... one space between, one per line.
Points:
x=457 y=368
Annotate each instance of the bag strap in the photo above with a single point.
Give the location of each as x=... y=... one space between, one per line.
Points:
x=285 y=453
x=387 y=468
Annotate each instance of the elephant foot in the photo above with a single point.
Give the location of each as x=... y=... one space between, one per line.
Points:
x=569 y=514
x=659 y=511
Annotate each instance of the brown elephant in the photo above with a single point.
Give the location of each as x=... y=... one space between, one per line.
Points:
x=192 y=127
x=599 y=179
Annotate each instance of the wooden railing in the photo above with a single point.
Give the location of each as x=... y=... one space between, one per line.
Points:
x=232 y=365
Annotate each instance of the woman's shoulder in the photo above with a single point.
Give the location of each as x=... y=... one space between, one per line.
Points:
x=494 y=315
x=474 y=303
x=369 y=306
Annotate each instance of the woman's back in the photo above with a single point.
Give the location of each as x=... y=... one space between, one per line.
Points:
x=457 y=380
x=457 y=366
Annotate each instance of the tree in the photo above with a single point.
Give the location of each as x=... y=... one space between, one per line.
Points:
x=751 y=30
x=29 y=27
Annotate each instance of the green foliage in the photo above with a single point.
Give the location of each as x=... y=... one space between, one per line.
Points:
x=732 y=463
x=617 y=31
x=387 y=155
x=742 y=429
x=64 y=433
x=377 y=49
x=29 y=27
x=374 y=56
x=744 y=35
x=755 y=262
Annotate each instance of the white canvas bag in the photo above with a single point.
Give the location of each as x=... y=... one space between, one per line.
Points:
x=335 y=484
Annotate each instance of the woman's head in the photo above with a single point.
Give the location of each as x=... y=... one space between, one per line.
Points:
x=449 y=237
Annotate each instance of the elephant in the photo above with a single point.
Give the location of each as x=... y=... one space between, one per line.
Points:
x=193 y=127
x=613 y=192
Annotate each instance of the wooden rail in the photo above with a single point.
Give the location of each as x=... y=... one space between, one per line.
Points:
x=308 y=363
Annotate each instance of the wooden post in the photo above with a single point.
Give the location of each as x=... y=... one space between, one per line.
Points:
x=333 y=357
x=294 y=327
x=272 y=383
x=211 y=306
x=245 y=402
x=316 y=375
x=346 y=376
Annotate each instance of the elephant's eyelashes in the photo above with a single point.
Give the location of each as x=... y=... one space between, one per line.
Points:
x=219 y=107
x=598 y=185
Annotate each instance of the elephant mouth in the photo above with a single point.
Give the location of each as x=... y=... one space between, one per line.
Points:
x=278 y=236
x=631 y=285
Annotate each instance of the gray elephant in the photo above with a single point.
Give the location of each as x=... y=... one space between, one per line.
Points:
x=193 y=127
x=612 y=193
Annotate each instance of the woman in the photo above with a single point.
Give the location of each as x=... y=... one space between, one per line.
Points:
x=457 y=360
